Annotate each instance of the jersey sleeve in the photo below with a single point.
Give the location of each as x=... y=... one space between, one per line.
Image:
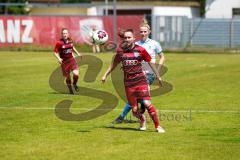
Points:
x=158 y=48
x=145 y=55
x=57 y=47
x=117 y=58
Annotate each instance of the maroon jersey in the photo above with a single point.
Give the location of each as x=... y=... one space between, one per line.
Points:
x=64 y=48
x=132 y=65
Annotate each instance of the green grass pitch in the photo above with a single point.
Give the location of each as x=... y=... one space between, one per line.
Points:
x=206 y=84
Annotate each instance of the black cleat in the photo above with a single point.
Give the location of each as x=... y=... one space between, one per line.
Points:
x=118 y=120
x=76 y=87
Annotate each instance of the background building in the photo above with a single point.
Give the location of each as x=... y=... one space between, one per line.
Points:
x=188 y=8
x=222 y=9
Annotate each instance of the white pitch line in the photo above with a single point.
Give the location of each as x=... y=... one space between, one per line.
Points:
x=88 y=109
x=203 y=111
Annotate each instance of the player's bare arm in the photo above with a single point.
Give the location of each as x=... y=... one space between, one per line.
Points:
x=58 y=57
x=109 y=70
x=161 y=61
x=75 y=50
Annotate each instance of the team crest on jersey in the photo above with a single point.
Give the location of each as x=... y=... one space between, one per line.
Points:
x=136 y=53
x=124 y=56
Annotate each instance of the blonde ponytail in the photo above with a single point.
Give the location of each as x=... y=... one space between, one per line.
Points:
x=145 y=24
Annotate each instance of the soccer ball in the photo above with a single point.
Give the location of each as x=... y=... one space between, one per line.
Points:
x=100 y=36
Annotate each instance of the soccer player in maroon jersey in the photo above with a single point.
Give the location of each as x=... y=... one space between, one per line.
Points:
x=136 y=86
x=63 y=51
x=155 y=50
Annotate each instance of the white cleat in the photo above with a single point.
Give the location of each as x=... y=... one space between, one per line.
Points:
x=143 y=128
x=143 y=124
x=160 y=129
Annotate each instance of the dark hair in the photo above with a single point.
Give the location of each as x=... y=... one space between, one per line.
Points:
x=64 y=29
x=129 y=30
x=121 y=32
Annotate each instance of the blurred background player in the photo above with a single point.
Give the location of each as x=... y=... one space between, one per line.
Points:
x=155 y=50
x=136 y=86
x=95 y=46
x=64 y=52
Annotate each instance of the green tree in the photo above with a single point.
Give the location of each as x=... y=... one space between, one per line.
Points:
x=202 y=7
x=75 y=1
x=13 y=9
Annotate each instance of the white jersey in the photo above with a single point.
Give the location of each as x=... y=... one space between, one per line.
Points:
x=91 y=33
x=153 y=48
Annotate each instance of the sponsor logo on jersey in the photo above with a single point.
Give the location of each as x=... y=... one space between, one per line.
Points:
x=67 y=51
x=130 y=62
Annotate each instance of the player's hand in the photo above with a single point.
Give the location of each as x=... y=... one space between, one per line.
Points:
x=60 y=60
x=160 y=81
x=103 y=79
x=80 y=55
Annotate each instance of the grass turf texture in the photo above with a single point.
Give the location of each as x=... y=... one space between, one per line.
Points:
x=29 y=128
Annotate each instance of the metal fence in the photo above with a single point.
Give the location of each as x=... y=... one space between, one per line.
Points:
x=182 y=32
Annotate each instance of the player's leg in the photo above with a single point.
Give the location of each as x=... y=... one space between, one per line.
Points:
x=142 y=106
x=132 y=99
x=69 y=84
x=140 y=116
x=150 y=79
x=75 y=79
x=124 y=113
x=94 y=48
x=97 y=48
x=74 y=68
x=127 y=108
x=66 y=74
x=153 y=114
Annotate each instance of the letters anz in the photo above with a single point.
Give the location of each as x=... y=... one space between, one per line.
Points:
x=16 y=31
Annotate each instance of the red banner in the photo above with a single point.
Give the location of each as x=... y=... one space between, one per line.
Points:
x=46 y=30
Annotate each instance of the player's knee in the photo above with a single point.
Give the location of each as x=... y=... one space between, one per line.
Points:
x=68 y=77
x=75 y=72
x=134 y=109
x=146 y=103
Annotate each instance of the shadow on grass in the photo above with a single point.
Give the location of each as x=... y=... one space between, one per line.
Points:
x=61 y=93
x=129 y=121
x=83 y=131
x=121 y=128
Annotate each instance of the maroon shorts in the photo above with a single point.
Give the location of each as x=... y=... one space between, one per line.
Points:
x=68 y=66
x=137 y=93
